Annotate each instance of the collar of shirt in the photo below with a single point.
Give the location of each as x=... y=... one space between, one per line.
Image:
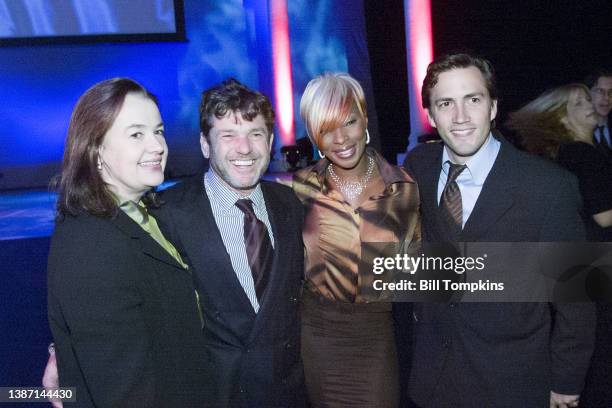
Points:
x=478 y=166
x=390 y=174
x=136 y=211
x=225 y=199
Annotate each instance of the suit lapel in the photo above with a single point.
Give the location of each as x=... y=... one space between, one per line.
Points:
x=148 y=245
x=429 y=191
x=496 y=196
x=202 y=240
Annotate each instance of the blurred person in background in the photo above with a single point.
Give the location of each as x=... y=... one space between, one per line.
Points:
x=559 y=125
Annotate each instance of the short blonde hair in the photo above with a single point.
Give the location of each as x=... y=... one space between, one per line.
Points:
x=539 y=124
x=327 y=102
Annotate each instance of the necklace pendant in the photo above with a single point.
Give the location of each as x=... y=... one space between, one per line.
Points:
x=352 y=189
x=351 y=192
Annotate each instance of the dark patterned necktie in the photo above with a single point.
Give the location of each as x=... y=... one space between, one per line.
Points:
x=260 y=252
x=603 y=142
x=450 y=202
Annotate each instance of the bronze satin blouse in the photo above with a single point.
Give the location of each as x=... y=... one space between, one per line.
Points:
x=334 y=231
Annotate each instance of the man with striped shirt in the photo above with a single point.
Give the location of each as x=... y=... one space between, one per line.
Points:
x=250 y=317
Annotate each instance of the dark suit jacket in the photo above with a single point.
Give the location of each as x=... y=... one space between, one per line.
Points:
x=252 y=359
x=501 y=354
x=124 y=317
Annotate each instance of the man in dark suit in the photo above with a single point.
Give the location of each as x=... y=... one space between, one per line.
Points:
x=600 y=84
x=249 y=309
x=476 y=187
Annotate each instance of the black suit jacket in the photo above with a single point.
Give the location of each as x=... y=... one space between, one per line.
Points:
x=252 y=359
x=501 y=354
x=124 y=317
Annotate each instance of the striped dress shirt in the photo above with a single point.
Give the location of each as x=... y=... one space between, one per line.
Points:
x=230 y=221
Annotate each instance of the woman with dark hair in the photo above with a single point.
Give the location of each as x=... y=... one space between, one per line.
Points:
x=122 y=306
x=351 y=196
x=559 y=125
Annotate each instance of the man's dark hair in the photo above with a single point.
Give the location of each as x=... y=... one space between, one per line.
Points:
x=594 y=76
x=457 y=61
x=232 y=96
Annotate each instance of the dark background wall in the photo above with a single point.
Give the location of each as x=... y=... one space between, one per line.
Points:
x=386 y=38
x=534 y=45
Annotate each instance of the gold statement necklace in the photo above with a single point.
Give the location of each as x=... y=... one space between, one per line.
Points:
x=352 y=189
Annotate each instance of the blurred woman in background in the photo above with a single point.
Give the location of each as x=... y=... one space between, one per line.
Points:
x=122 y=306
x=351 y=196
x=559 y=125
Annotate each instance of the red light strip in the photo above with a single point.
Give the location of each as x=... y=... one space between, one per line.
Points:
x=281 y=59
x=421 y=50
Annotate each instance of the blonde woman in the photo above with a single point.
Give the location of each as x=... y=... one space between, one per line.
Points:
x=559 y=125
x=352 y=195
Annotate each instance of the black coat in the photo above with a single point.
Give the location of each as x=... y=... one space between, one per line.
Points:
x=124 y=317
x=252 y=359
x=501 y=354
